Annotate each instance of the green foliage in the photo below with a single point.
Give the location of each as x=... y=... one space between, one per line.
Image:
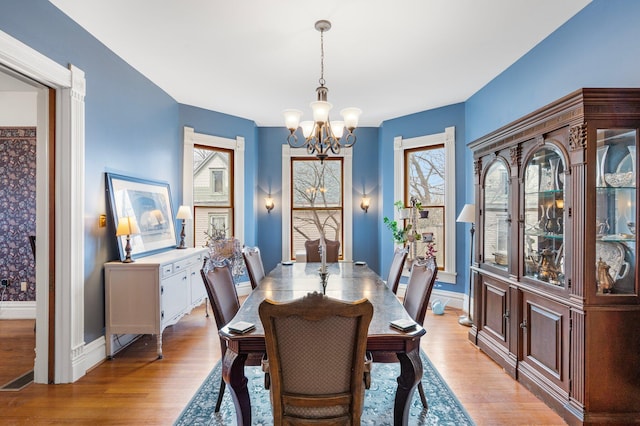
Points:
x=399 y=235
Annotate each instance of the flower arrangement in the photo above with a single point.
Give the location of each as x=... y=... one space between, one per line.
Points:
x=223 y=248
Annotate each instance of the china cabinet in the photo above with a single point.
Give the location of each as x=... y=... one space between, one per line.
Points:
x=556 y=293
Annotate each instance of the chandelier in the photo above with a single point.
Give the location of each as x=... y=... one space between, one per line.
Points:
x=322 y=135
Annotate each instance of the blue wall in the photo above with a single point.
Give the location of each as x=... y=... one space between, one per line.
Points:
x=127 y=113
x=410 y=126
x=599 y=47
x=270 y=179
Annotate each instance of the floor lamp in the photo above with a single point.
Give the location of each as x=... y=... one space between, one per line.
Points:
x=468 y=215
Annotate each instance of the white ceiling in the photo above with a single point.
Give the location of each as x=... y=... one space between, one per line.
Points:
x=254 y=58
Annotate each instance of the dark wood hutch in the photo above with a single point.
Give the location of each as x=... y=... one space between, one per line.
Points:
x=555 y=272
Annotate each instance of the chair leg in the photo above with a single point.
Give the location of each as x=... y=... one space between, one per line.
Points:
x=220 y=395
x=423 y=398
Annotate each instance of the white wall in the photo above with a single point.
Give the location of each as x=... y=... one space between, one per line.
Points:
x=18 y=109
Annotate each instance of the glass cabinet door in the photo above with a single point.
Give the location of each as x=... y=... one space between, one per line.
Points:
x=544 y=217
x=615 y=225
x=496 y=215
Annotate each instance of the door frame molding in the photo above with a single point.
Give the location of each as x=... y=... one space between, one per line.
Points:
x=66 y=282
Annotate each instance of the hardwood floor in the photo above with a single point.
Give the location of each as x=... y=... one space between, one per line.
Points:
x=135 y=388
x=17 y=354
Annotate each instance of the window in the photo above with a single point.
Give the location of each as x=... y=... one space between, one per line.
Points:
x=336 y=203
x=425 y=177
x=217 y=180
x=212 y=170
x=424 y=168
x=212 y=193
x=316 y=205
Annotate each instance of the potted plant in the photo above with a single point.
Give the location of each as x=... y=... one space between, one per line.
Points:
x=404 y=234
x=403 y=212
x=423 y=213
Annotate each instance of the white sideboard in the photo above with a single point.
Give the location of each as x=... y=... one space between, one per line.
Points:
x=152 y=293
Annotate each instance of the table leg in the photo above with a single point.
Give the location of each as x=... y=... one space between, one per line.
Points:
x=410 y=375
x=233 y=374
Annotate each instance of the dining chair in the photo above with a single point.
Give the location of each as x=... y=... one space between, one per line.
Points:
x=255 y=268
x=395 y=271
x=312 y=248
x=316 y=358
x=416 y=299
x=221 y=291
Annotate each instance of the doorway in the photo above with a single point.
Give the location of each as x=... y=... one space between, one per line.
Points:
x=23 y=141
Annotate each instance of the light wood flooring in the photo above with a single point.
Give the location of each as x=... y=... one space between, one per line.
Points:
x=135 y=388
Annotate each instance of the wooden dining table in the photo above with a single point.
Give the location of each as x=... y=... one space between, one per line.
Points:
x=346 y=281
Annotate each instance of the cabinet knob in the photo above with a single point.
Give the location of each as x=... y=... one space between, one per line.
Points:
x=523 y=324
x=506 y=315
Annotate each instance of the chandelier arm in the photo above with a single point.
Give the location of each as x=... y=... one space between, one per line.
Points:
x=293 y=142
x=349 y=140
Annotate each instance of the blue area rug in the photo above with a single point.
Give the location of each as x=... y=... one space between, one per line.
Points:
x=444 y=407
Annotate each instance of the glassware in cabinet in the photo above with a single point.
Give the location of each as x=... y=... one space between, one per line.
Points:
x=615 y=223
x=544 y=217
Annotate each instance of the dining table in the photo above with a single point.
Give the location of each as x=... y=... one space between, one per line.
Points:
x=347 y=281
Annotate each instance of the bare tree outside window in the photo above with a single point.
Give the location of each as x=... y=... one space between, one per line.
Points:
x=425 y=180
x=317 y=206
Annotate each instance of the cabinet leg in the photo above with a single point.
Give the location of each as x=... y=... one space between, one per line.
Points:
x=159 y=346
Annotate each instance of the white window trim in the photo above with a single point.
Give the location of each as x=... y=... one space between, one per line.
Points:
x=447 y=138
x=192 y=138
x=347 y=155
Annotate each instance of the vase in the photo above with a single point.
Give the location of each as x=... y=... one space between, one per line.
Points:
x=601 y=156
x=554 y=183
x=632 y=153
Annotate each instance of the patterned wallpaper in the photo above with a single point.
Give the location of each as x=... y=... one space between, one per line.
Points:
x=17 y=211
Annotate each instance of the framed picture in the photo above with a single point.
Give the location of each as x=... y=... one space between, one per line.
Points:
x=149 y=202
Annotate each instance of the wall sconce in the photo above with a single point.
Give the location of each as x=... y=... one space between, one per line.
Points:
x=268 y=203
x=364 y=203
x=184 y=213
x=127 y=226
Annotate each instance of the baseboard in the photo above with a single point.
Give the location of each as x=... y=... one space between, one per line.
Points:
x=18 y=310
x=453 y=299
x=94 y=353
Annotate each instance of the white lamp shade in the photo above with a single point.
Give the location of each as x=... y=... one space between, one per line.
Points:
x=351 y=117
x=307 y=128
x=468 y=214
x=320 y=111
x=127 y=226
x=292 y=118
x=337 y=128
x=184 y=212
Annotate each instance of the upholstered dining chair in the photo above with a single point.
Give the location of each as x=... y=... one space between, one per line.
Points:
x=316 y=358
x=312 y=248
x=221 y=291
x=416 y=299
x=395 y=271
x=255 y=267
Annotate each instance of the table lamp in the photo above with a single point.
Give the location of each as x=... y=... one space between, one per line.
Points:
x=184 y=213
x=468 y=215
x=127 y=226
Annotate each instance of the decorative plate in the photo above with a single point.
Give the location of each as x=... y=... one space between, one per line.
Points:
x=613 y=254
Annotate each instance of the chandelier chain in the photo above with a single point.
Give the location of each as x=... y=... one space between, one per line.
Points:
x=322 y=80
